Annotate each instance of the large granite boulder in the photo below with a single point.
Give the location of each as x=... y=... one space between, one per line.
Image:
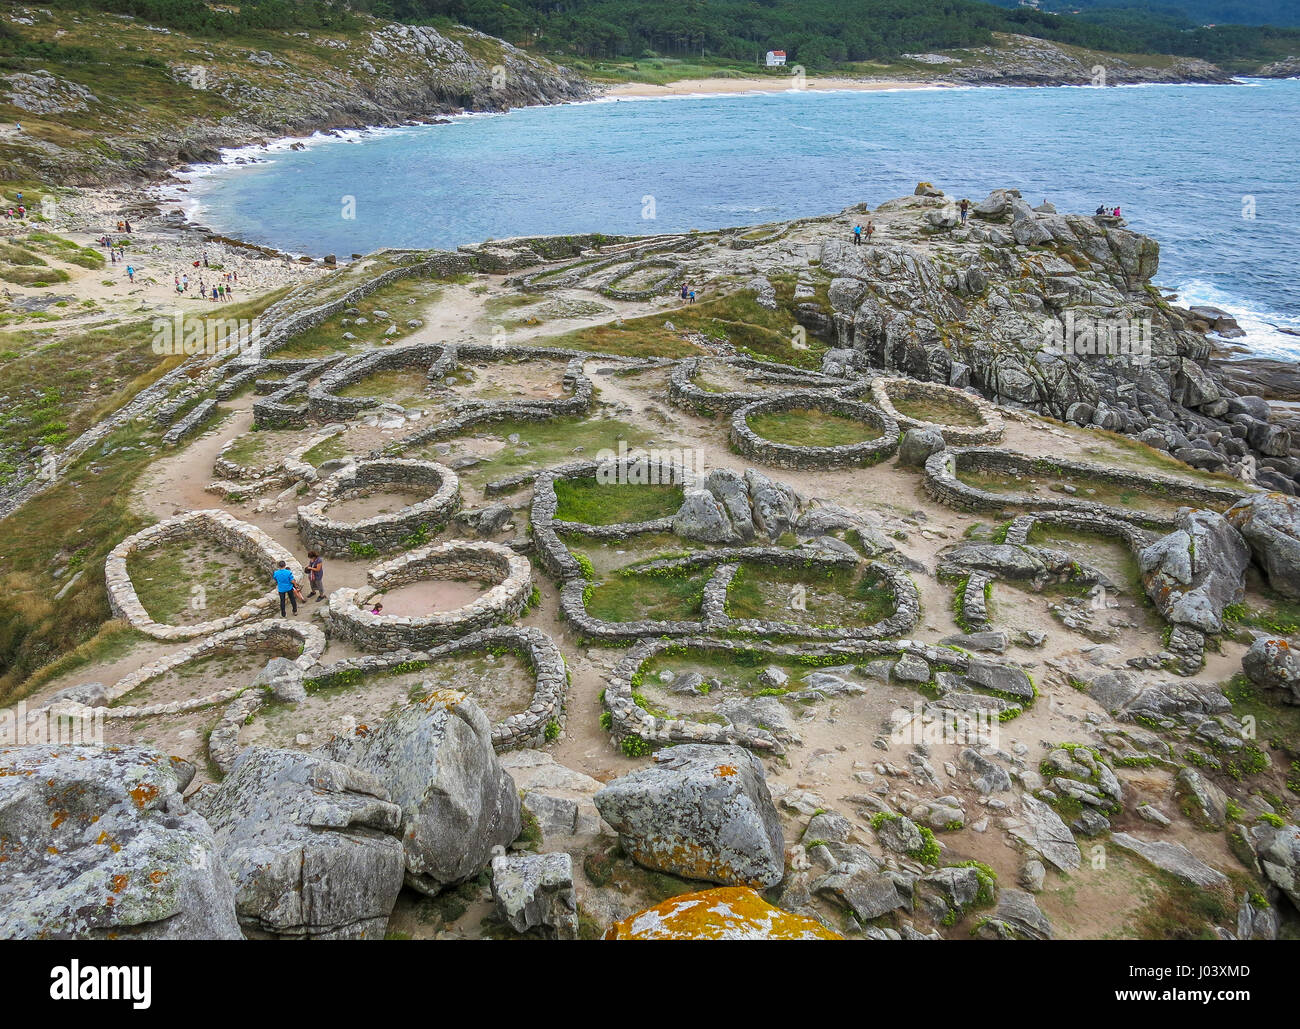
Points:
x=535 y=891
x=435 y=758
x=96 y=843
x=1273 y=664
x=702 y=812
x=1270 y=524
x=916 y=446
x=1041 y=830
x=733 y=508
x=1197 y=570
x=311 y=845
x=729 y=913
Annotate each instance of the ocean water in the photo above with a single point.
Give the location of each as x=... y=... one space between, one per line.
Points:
x=1212 y=172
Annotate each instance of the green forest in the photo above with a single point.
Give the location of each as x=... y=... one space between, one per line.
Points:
x=820 y=34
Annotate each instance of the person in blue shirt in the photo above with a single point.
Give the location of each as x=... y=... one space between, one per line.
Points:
x=857 y=235
x=285 y=586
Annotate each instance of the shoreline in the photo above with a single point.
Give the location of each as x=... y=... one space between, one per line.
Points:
x=764 y=84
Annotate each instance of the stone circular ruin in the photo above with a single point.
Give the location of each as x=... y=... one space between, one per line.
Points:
x=747 y=442
x=225 y=529
x=266 y=635
x=383 y=532
x=510 y=573
x=941 y=483
x=989 y=429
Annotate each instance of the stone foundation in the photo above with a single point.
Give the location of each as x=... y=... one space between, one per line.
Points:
x=384 y=532
x=193 y=527
x=349 y=609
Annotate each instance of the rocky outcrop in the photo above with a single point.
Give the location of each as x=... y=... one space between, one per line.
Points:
x=1196 y=571
x=312 y=846
x=435 y=760
x=96 y=843
x=378 y=73
x=702 y=812
x=1270 y=524
x=734 y=508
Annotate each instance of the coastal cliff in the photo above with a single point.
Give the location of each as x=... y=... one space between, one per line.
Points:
x=165 y=98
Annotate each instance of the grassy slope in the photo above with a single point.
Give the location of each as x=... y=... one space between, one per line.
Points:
x=143 y=82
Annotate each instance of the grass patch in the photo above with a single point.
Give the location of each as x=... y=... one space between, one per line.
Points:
x=166 y=577
x=811 y=428
x=630 y=598
x=811 y=596
x=591 y=503
x=931 y=409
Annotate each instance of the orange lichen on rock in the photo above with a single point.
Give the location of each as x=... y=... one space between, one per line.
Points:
x=726 y=771
x=726 y=913
x=143 y=794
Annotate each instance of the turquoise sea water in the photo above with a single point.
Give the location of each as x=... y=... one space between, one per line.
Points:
x=1184 y=163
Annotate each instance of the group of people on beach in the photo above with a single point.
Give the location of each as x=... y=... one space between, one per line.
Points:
x=219 y=291
x=290 y=590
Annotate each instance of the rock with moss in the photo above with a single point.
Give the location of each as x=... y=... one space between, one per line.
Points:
x=436 y=759
x=1041 y=830
x=1278 y=850
x=701 y=812
x=865 y=890
x=311 y=845
x=96 y=843
x=949 y=894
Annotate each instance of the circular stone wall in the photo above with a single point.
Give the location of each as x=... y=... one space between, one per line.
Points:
x=511 y=574
x=747 y=442
x=383 y=532
x=989 y=429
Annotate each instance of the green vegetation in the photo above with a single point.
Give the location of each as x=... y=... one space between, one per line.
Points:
x=1096 y=489
x=629 y=598
x=593 y=503
x=811 y=428
x=811 y=596
x=734 y=318
x=184 y=582
x=827 y=33
x=927 y=409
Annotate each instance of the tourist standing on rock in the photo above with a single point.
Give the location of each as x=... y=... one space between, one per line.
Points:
x=857 y=235
x=316 y=575
x=128 y=228
x=965 y=210
x=285 y=586
x=871 y=228
x=130 y=273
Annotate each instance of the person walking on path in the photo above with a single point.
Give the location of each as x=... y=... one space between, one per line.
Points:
x=284 y=585
x=130 y=272
x=871 y=228
x=316 y=575
x=857 y=235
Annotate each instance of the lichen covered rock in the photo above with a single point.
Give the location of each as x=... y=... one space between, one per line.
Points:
x=96 y=843
x=729 y=913
x=702 y=812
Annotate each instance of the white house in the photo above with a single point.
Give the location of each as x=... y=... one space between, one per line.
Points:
x=775 y=58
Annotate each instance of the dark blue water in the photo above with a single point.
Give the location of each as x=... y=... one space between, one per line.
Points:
x=1183 y=162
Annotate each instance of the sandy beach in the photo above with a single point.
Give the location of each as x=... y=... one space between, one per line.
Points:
x=764 y=84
